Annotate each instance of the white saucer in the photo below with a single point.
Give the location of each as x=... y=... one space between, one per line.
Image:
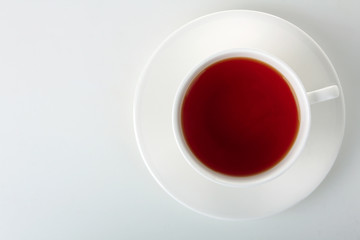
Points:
x=184 y=49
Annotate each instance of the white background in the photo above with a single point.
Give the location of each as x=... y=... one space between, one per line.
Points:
x=69 y=164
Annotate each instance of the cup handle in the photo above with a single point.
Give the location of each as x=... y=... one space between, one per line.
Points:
x=323 y=94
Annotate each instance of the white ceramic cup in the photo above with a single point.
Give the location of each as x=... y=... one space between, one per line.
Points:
x=304 y=100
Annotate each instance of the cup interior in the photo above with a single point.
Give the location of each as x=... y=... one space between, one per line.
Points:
x=304 y=116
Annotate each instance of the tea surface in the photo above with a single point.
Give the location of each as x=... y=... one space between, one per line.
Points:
x=239 y=117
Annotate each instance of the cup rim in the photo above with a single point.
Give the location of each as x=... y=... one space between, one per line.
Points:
x=303 y=104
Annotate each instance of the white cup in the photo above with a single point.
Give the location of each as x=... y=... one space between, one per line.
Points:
x=304 y=100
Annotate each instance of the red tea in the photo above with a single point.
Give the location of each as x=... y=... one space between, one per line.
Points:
x=239 y=117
